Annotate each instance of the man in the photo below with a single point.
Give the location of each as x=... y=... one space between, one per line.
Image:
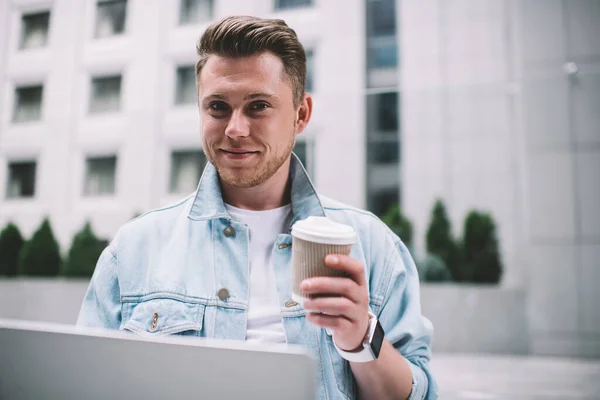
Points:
x=217 y=264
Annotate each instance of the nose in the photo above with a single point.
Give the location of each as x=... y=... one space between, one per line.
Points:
x=238 y=125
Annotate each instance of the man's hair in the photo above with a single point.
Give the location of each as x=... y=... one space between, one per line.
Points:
x=243 y=36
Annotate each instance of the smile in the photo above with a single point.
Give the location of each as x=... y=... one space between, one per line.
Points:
x=237 y=154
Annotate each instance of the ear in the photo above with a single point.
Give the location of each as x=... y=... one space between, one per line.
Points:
x=304 y=112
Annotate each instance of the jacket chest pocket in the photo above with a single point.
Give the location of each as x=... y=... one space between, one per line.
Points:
x=163 y=317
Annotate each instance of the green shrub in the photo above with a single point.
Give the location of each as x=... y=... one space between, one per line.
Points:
x=11 y=243
x=480 y=249
x=440 y=242
x=432 y=269
x=40 y=256
x=398 y=223
x=83 y=254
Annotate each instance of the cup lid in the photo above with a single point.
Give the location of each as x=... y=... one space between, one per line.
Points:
x=323 y=230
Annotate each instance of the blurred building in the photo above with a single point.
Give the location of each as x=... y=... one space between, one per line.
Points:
x=500 y=111
x=489 y=105
x=98 y=115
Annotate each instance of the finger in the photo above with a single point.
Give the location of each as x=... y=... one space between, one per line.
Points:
x=333 y=286
x=354 y=268
x=338 y=306
x=329 y=321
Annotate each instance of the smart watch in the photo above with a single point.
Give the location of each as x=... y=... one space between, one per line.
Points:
x=371 y=345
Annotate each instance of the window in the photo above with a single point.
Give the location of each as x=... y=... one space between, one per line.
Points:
x=383 y=113
x=382 y=51
x=195 y=11
x=381 y=17
x=383 y=151
x=186 y=169
x=381 y=200
x=34 y=30
x=304 y=149
x=310 y=70
x=100 y=176
x=287 y=4
x=383 y=140
x=106 y=94
x=185 y=91
x=28 y=103
x=21 y=179
x=110 y=17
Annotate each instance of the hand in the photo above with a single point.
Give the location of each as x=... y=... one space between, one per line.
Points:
x=348 y=315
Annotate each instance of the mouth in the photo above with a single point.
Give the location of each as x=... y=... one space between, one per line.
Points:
x=237 y=154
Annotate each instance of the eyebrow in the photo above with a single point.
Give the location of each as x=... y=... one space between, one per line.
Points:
x=251 y=96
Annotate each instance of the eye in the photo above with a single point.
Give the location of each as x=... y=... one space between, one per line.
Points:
x=258 y=106
x=217 y=106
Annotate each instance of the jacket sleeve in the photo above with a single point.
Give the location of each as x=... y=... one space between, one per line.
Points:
x=101 y=306
x=400 y=316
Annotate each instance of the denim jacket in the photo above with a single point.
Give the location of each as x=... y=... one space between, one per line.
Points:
x=164 y=273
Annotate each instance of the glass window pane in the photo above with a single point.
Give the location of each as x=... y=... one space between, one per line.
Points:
x=300 y=151
x=34 y=30
x=380 y=201
x=382 y=52
x=185 y=92
x=195 y=11
x=387 y=111
x=100 y=176
x=310 y=70
x=110 y=17
x=21 y=179
x=287 y=4
x=305 y=150
x=28 y=103
x=383 y=152
x=106 y=94
x=382 y=114
x=381 y=17
x=186 y=170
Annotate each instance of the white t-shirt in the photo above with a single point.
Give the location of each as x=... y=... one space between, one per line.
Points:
x=264 y=318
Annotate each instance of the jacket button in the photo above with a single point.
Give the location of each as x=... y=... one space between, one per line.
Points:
x=223 y=294
x=229 y=231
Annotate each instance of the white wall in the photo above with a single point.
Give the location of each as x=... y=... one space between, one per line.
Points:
x=482 y=320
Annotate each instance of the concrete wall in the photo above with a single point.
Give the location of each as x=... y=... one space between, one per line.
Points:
x=474 y=319
x=466 y=319
x=559 y=63
x=500 y=112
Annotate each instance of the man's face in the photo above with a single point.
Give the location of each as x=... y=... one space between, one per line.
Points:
x=248 y=119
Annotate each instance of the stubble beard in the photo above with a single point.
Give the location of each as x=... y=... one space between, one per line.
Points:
x=247 y=178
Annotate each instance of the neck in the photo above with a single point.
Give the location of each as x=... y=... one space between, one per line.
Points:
x=273 y=193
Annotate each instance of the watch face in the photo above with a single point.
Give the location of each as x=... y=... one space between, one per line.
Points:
x=377 y=340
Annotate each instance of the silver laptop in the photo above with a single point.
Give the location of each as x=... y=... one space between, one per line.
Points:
x=48 y=361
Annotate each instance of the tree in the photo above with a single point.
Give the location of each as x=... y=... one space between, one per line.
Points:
x=40 y=256
x=480 y=249
x=440 y=242
x=432 y=269
x=398 y=223
x=11 y=243
x=83 y=254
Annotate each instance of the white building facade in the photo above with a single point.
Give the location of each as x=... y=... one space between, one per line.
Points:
x=98 y=115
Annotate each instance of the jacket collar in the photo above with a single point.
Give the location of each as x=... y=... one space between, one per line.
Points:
x=208 y=202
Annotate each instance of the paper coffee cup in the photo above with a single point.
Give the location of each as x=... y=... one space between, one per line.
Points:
x=313 y=239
